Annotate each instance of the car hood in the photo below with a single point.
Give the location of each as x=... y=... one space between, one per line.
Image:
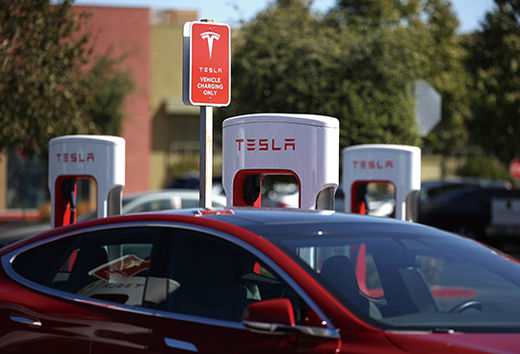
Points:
x=456 y=342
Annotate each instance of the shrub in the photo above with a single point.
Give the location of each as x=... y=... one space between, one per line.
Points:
x=487 y=167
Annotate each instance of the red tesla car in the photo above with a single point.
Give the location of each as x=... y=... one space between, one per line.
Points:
x=256 y=281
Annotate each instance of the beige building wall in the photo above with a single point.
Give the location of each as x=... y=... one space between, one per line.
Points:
x=439 y=167
x=431 y=167
x=175 y=126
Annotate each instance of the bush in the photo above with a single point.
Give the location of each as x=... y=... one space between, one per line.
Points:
x=487 y=167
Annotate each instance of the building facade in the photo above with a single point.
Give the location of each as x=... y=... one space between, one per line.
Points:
x=161 y=133
x=125 y=33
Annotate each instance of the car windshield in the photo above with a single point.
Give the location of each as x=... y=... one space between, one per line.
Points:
x=431 y=281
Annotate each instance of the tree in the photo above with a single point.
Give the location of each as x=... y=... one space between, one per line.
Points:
x=372 y=92
x=431 y=50
x=446 y=71
x=46 y=89
x=289 y=59
x=484 y=166
x=495 y=66
x=367 y=15
x=108 y=86
x=277 y=61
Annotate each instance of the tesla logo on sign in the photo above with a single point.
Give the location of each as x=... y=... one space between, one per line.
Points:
x=75 y=157
x=373 y=164
x=210 y=37
x=265 y=144
x=207 y=64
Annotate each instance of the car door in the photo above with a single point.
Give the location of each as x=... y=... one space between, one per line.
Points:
x=209 y=281
x=90 y=289
x=117 y=287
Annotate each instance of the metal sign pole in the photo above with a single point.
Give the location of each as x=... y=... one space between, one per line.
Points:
x=206 y=157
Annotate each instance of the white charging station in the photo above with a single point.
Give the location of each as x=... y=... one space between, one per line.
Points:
x=399 y=165
x=99 y=157
x=302 y=145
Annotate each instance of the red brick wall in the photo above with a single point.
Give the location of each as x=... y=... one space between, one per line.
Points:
x=126 y=31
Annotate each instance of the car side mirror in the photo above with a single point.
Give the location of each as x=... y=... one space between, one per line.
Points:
x=269 y=315
x=276 y=316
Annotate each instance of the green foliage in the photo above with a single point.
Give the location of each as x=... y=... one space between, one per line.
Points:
x=278 y=62
x=446 y=72
x=289 y=59
x=46 y=90
x=40 y=93
x=371 y=91
x=494 y=62
x=109 y=87
x=487 y=167
x=365 y=15
x=359 y=62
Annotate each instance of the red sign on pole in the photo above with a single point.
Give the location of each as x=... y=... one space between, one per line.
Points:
x=514 y=168
x=209 y=68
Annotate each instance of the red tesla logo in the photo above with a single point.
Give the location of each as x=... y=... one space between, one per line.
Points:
x=266 y=144
x=75 y=157
x=373 y=164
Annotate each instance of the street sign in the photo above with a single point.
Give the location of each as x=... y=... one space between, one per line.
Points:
x=207 y=64
x=514 y=168
x=206 y=82
x=428 y=106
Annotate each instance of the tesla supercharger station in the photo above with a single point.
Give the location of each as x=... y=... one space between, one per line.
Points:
x=398 y=165
x=101 y=158
x=304 y=146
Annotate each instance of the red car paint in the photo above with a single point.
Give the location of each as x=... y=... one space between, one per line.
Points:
x=57 y=325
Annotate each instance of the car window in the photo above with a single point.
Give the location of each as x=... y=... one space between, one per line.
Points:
x=350 y=270
x=415 y=281
x=213 y=278
x=108 y=265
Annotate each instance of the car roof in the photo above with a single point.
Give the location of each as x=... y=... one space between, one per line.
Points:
x=245 y=216
x=491 y=192
x=265 y=222
x=465 y=181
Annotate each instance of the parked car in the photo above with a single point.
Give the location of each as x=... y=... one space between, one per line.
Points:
x=132 y=203
x=248 y=280
x=432 y=188
x=460 y=207
x=280 y=194
x=169 y=199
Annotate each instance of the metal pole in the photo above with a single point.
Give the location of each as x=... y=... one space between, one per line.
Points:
x=206 y=156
